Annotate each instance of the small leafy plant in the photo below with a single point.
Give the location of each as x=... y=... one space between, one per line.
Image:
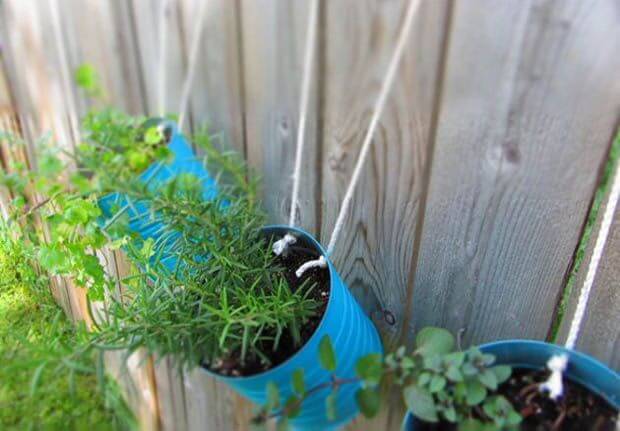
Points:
x=438 y=384
x=226 y=304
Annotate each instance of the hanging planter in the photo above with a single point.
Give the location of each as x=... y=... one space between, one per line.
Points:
x=182 y=160
x=352 y=335
x=590 y=383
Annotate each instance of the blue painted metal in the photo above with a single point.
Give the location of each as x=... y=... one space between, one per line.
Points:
x=141 y=219
x=582 y=368
x=352 y=334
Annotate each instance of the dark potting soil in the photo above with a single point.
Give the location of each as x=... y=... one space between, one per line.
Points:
x=295 y=256
x=578 y=410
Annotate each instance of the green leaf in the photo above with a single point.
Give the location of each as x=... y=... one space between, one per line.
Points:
x=292 y=406
x=424 y=378
x=370 y=368
x=273 y=396
x=450 y=414
x=421 y=403
x=330 y=406
x=86 y=77
x=502 y=373
x=327 y=356
x=454 y=374
x=475 y=392
x=437 y=384
x=514 y=418
x=298 y=382
x=368 y=401
x=431 y=340
x=153 y=135
x=488 y=379
x=50 y=165
x=36 y=378
x=51 y=259
x=475 y=425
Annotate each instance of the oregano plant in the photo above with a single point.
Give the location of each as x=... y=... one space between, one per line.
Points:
x=438 y=384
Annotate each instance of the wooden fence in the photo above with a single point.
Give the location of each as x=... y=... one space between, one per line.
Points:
x=476 y=190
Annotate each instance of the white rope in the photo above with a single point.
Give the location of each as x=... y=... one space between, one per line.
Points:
x=557 y=364
x=161 y=58
x=193 y=58
x=321 y=262
x=281 y=245
x=377 y=111
x=303 y=105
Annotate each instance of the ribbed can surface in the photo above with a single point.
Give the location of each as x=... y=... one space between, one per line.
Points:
x=352 y=334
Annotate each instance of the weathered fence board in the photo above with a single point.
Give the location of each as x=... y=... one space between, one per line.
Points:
x=476 y=187
x=375 y=248
x=528 y=108
x=600 y=330
x=274 y=39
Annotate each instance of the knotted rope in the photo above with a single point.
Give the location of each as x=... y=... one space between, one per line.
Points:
x=557 y=363
x=374 y=121
x=281 y=245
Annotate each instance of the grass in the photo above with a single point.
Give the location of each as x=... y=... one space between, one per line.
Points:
x=34 y=336
x=599 y=196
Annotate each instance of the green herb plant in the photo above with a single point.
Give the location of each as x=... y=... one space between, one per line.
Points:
x=438 y=384
x=44 y=384
x=226 y=303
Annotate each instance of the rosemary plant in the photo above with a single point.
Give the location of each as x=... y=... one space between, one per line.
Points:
x=226 y=303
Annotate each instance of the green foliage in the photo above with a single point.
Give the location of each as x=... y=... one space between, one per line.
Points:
x=327 y=356
x=438 y=383
x=227 y=298
x=368 y=401
x=87 y=78
x=40 y=373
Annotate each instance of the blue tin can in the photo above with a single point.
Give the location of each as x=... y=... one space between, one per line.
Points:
x=352 y=334
x=581 y=369
x=141 y=219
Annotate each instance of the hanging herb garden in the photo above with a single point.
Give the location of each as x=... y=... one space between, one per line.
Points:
x=206 y=288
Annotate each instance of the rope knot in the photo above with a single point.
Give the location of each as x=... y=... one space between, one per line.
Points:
x=281 y=245
x=317 y=263
x=553 y=385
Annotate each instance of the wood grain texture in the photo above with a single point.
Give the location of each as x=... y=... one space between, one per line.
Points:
x=599 y=335
x=374 y=250
x=516 y=114
x=217 y=89
x=37 y=94
x=529 y=101
x=274 y=39
x=99 y=34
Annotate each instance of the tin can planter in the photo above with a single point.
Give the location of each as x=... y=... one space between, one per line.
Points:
x=352 y=334
x=183 y=161
x=528 y=354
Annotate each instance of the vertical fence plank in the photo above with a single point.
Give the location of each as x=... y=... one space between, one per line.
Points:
x=599 y=335
x=147 y=20
x=99 y=34
x=217 y=90
x=274 y=38
x=30 y=61
x=529 y=102
x=375 y=248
